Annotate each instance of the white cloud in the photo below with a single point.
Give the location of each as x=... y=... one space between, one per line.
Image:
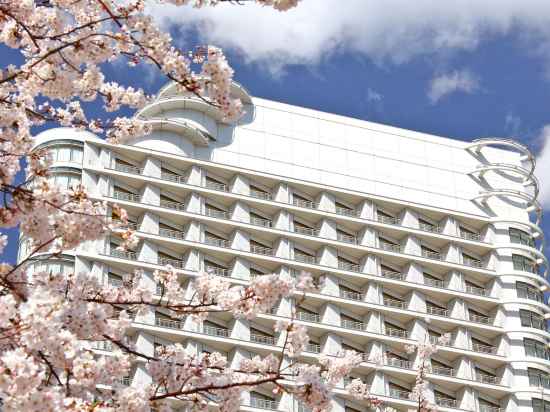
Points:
x=456 y=81
x=374 y=96
x=542 y=170
x=385 y=31
x=512 y=124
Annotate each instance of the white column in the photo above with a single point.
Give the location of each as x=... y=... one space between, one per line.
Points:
x=240 y=185
x=152 y=167
x=326 y=202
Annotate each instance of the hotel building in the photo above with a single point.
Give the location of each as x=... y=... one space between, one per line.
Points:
x=411 y=236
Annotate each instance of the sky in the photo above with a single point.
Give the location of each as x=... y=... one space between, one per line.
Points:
x=463 y=69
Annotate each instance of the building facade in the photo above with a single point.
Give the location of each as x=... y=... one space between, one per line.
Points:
x=411 y=236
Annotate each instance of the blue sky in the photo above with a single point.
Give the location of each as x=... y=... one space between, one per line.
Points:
x=461 y=70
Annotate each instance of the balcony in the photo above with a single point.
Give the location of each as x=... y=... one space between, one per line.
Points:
x=222 y=187
x=426 y=227
x=217 y=271
x=399 y=394
x=263 y=403
x=126 y=381
x=539 y=381
x=446 y=402
x=170 y=204
x=398 y=363
x=128 y=169
x=214 y=241
x=308 y=317
x=470 y=236
x=172 y=177
x=346 y=294
x=436 y=283
x=390 y=247
x=475 y=263
x=175 y=263
x=490 y=379
x=302 y=257
x=220 y=214
x=263 y=339
x=396 y=333
x=430 y=254
x=346 y=238
x=389 y=220
x=346 y=212
x=173 y=234
x=123 y=254
x=394 y=303
x=491 y=350
x=392 y=274
x=476 y=291
x=258 y=194
x=313 y=348
x=304 y=203
x=256 y=221
x=215 y=331
x=104 y=345
x=487 y=408
x=443 y=371
x=434 y=310
x=128 y=197
x=352 y=324
x=261 y=250
x=169 y=323
x=485 y=320
x=352 y=267
x=308 y=231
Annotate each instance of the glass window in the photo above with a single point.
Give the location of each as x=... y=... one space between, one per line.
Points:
x=540 y=406
x=538 y=378
x=521 y=237
x=536 y=349
x=531 y=319
x=527 y=291
x=524 y=263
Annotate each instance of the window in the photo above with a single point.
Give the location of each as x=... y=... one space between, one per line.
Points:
x=66 y=154
x=527 y=291
x=65 y=180
x=531 y=319
x=521 y=237
x=524 y=263
x=536 y=348
x=540 y=406
x=538 y=378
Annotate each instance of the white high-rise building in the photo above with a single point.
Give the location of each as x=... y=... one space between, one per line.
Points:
x=413 y=235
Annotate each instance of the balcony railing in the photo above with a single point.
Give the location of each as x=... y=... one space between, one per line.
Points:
x=490 y=379
x=263 y=403
x=128 y=169
x=309 y=231
x=434 y=310
x=174 y=234
x=429 y=254
x=429 y=228
x=123 y=254
x=175 y=263
x=169 y=323
x=214 y=270
x=313 y=348
x=392 y=274
x=346 y=238
x=102 y=345
x=126 y=381
x=215 y=331
x=487 y=408
x=475 y=263
x=390 y=247
x=261 y=250
x=214 y=241
x=215 y=186
x=352 y=324
x=346 y=294
x=170 y=204
x=308 y=317
x=481 y=319
x=304 y=203
x=266 y=340
x=476 y=291
x=301 y=257
x=491 y=350
x=346 y=212
x=394 y=303
x=220 y=214
x=436 y=283
x=256 y=221
x=398 y=363
x=446 y=402
x=390 y=220
x=258 y=194
x=352 y=267
x=129 y=197
x=470 y=236
x=172 y=177
x=399 y=394
x=396 y=333
x=443 y=370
